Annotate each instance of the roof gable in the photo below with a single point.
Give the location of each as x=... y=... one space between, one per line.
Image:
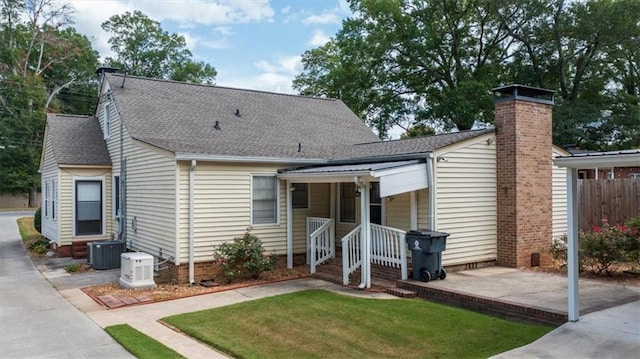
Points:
x=77 y=140
x=198 y=119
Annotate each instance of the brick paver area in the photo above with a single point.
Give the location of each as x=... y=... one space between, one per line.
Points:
x=119 y=300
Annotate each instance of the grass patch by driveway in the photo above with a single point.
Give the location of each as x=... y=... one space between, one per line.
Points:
x=139 y=344
x=27 y=230
x=322 y=324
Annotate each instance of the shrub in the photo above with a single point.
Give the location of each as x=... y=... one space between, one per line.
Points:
x=72 y=268
x=37 y=220
x=39 y=246
x=558 y=252
x=244 y=255
x=604 y=246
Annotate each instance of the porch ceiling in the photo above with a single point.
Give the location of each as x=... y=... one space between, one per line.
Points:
x=395 y=177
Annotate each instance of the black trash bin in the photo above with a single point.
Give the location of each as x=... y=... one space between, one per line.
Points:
x=426 y=253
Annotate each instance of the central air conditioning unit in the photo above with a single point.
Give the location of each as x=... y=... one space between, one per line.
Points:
x=105 y=254
x=136 y=271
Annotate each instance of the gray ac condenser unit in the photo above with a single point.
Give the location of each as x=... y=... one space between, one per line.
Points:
x=105 y=254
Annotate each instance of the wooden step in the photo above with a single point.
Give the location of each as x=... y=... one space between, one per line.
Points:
x=402 y=293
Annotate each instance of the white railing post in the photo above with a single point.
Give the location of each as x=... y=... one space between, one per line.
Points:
x=345 y=261
x=403 y=258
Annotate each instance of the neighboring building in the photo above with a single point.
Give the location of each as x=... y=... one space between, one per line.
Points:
x=176 y=169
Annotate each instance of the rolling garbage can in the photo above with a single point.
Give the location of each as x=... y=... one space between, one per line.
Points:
x=426 y=253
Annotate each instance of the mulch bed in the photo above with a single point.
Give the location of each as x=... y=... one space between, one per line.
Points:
x=112 y=295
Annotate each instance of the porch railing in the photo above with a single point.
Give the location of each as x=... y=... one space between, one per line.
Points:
x=322 y=244
x=389 y=248
x=351 y=254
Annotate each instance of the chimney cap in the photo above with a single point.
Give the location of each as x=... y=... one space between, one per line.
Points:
x=105 y=69
x=524 y=93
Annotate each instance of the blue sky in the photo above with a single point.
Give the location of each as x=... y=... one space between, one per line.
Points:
x=253 y=44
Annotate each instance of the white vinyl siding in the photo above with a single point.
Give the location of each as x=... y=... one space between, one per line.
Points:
x=49 y=226
x=399 y=211
x=559 y=191
x=466 y=200
x=222 y=208
x=264 y=199
x=423 y=208
x=150 y=190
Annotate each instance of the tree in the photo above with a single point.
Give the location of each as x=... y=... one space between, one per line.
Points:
x=435 y=62
x=142 y=48
x=430 y=61
x=41 y=60
x=21 y=132
x=417 y=131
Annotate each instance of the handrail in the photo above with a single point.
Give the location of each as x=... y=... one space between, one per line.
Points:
x=321 y=240
x=389 y=248
x=351 y=254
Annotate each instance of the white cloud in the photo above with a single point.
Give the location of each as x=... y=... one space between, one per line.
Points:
x=285 y=10
x=319 y=38
x=274 y=76
x=89 y=15
x=327 y=17
x=190 y=40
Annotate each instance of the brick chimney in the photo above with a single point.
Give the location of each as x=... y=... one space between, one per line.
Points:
x=524 y=170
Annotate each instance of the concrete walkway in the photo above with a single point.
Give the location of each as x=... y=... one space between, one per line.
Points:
x=35 y=320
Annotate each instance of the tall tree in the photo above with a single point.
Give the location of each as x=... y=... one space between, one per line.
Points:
x=432 y=61
x=41 y=58
x=142 y=48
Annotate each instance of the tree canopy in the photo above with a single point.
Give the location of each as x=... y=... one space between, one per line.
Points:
x=142 y=48
x=410 y=62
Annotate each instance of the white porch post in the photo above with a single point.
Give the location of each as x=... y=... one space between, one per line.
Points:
x=289 y=227
x=365 y=220
x=572 y=245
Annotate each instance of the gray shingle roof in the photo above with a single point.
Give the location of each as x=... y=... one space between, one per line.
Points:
x=77 y=140
x=408 y=146
x=181 y=118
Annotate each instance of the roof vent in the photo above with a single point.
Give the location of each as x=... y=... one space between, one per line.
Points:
x=238 y=112
x=299 y=147
x=217 y=126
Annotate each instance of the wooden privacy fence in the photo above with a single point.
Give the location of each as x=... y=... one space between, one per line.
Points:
x=616 y=200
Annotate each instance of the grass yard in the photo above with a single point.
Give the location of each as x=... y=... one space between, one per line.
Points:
x=139 y=344
x=27 y=230
x=322 y=324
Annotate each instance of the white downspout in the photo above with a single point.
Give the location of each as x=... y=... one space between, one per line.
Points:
x=432 y=191
x=289 y=227
x=191 y=215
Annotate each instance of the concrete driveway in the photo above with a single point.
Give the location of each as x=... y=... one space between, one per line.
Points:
x=35 y=320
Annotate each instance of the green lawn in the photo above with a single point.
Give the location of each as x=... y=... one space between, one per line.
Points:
x=139 y=344
x=322 y=324
x=27 y=230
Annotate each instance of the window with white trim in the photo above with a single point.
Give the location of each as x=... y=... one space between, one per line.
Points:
x=47 y=192
x=54 y=197
x=264 y=199
x=375 y=203
x=348 y=202
x=88 y=207
x=300 y=195
x=106 y=116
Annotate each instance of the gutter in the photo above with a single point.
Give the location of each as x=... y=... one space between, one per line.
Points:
x=191 y=215
x=201 y=157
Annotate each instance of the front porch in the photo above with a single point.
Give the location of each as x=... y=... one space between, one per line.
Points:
x=360 y=217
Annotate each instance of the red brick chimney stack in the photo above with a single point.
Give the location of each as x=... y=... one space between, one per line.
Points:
x=524 y=170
